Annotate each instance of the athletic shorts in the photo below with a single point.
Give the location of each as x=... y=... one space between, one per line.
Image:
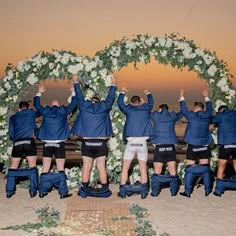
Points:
x=164 y=153
x=24 y=148
x=54 y=149
x=227 y=151
x=94 y=148
x=136 y=147
x=197 y=152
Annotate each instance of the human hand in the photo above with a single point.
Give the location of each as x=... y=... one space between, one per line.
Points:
x=205 y=93
x=113 y=80
x=124 y=89
x=146 y=91
x=75 y=78
x=181 y=93
x=42 y=89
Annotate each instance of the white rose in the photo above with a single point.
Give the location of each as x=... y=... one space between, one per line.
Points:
x=32 y=79
x=212 y=70
x=94 y=74
x=163 y=53
x=3 y=110
x=85 y=61
x=232 y=92
x=51 y=65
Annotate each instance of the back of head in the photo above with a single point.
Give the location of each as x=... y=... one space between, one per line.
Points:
x=163 y=107
x=95 y=99
x=222 y=108
x=55 y=103
x=198 y=106
x=135 y=100
x=23 y=105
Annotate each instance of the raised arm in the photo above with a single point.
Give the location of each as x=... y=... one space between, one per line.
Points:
x=78 y=93
x=209 y=109
x=111 y=94
x=37 y=98
x=183 y=106
x=120 y=100
x=179 y=115
x=73 y=102
x=150 y=100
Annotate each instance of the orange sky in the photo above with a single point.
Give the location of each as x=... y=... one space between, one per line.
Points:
x=84 y=27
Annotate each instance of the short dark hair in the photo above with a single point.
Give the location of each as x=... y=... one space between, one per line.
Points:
x=135 y=99
x=221 y=108
x=199 y=104
x=95 y=99
x=23 y=104
x=164 y=107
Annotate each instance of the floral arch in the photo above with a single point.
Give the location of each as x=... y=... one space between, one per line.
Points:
x=94 y=73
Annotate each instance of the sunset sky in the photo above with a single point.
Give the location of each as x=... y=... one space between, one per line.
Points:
x=30 y=26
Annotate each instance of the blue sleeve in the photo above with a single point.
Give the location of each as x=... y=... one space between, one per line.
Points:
x=121 y=104
x=37 y=114
x=209 y=109
x=11 y=129
x=184 y=109
x=110 y=96
x=150 y=101
x=215 y=119
x=72 y=105
x=78 y=94
x=38 y=105
x=179 y=115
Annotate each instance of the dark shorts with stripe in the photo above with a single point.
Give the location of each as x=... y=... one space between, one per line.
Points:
x=94 y=148
x=197 y=152
x=164 y=153
x=227 y=151
x=24 y=148
x=54 y=149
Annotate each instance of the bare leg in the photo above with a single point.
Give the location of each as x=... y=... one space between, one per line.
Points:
x=143 y=171
x=157 y=167
x=203 y=161
x=60 y=162
x=46 y=164
x=124 y=173
x=87 y=167
x=31 y=161
x=172 y=167
x=15 y=161
x=101 y=165
x=221 y=168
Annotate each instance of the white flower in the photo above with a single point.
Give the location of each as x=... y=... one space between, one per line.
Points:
x=7 y=85
x=211 y=81
x=51 y=65
x=163 y=53
x=32 y=79
x=232 y=92
x=93 y=74
x=128 y=52
x=208 y=59
x=222 y=82
x=2 y=91
x=3 y=110
x=150 y=41
x=3 y=132
x=114 y=61
x=85 y=61
x=130 y=44
x=212 y=70
x=169 y=42
x=103 y=72
x=218 y=104
x=162 y=41
x=65 y=58
x=89 y=94
x=115 y=51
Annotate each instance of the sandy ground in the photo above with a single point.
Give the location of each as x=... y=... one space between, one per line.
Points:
x=178 y=216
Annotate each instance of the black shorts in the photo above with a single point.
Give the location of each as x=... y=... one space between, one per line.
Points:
x=54 y=149
x=164 y=153
x=197 y=152
x=94 y=148
x=24 y=148
x=227 y=151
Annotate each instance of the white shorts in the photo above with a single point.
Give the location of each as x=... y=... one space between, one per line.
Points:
x=136 y=147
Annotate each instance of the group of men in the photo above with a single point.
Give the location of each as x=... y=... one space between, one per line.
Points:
x=93 y=125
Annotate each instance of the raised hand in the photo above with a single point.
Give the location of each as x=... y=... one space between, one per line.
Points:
x=113 y=80
x=124 y=89
x=146 y=91
x=205 y=93
x=42 y=89
x=75 y=78
x=181 y=93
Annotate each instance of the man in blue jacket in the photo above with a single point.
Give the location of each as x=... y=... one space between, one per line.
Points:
x=225 y=120
x=198 y=138
x=54 y=131
x=93 y=125
x=137 y=130
x=22 y=129
x=164 y=138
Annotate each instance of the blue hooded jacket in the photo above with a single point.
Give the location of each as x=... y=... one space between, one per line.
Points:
x=226 y=122
x=22 y=124
x=54 y=124
x=197 y=131
x=93 y=119
x=164 y=126
x=138 y=123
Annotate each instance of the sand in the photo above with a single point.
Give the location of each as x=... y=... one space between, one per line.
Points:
x=177 y=216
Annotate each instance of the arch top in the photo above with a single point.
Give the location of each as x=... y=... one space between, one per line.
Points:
x=170 y=49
